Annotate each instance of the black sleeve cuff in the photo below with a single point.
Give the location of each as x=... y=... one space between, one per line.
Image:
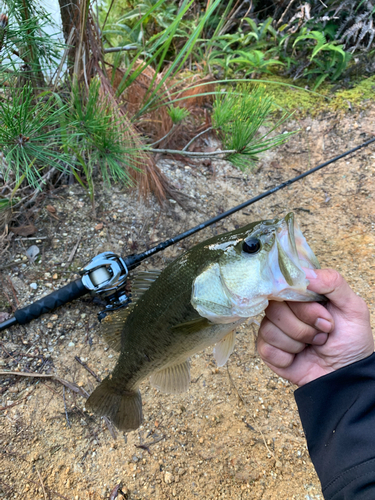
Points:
x=338 y=417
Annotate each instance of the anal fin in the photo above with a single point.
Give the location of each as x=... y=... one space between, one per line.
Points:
x=173 y=379
x=224 y=348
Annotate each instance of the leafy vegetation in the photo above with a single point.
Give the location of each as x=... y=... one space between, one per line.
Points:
x=238 y=117
x=99 y=104
x=30 y=136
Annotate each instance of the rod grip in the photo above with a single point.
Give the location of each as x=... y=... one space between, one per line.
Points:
x=66 y=294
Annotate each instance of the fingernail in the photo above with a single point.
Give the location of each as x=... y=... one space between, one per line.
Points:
x=310 y=273
x=320 y=339
x=323 y=325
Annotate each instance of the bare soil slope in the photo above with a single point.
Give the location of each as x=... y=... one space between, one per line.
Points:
x=236 y=433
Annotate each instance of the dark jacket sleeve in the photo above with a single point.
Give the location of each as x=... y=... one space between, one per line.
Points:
x=338 y=417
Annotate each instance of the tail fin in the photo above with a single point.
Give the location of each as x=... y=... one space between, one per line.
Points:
x=123 y=407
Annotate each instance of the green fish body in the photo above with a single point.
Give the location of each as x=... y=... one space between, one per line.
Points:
x=197 y=301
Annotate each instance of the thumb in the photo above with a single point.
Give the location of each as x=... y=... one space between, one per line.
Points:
x=330 y=283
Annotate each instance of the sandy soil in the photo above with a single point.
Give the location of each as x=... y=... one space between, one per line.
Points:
x=236 y=433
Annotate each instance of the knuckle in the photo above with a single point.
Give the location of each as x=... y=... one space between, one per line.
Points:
x=274 y=356
x=300 y=333
x=268 y=331
x=333 y=278
x=267 y=352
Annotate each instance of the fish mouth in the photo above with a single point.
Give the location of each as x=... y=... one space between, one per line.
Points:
x=293 y=254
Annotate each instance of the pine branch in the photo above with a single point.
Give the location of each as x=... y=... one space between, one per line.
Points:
x=191 y=153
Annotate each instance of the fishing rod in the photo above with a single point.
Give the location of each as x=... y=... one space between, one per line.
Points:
x=106 y=274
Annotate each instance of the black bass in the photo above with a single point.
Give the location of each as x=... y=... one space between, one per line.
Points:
x=197 y=301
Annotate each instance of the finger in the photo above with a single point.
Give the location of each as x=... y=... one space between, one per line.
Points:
x=273 y=356
x=281 y=315
x=313 y=314
x=330 y=283
x=274 y=336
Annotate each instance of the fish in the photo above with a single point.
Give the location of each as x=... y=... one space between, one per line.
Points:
x=197 y=301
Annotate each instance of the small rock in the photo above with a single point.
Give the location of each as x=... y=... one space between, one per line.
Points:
x=99 y=226
x=49 y=325
x=54 y=317
x=34 y=286
x=168 y=478
x=55 y=276
x=32 y=252
x=71 y=344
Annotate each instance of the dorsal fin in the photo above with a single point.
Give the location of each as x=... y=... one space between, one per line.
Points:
x=113 y=323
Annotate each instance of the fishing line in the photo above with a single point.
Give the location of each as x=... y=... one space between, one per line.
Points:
x=106 y=274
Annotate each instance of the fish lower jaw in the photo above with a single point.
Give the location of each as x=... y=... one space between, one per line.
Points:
x=250 y=310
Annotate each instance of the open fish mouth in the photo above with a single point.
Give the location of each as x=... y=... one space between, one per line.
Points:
x=293 y=254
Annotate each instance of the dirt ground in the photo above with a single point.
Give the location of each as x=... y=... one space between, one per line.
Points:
x=236 y=433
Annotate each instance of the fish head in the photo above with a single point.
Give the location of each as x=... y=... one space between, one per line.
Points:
x=251 y=266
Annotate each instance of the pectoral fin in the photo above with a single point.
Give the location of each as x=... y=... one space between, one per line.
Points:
x=192 y=326
x=173 y=379
x=224 y=348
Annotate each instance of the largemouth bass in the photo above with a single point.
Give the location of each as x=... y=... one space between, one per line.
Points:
x=197 y=301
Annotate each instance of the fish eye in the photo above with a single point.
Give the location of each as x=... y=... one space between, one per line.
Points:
x=252 y=245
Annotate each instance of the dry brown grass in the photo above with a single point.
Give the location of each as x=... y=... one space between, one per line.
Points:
x=148 y=177
x=157 y=123
x=193 y=89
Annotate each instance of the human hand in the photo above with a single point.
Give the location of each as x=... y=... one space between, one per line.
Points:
x=301 y=341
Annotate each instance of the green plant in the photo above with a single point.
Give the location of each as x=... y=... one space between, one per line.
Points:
x=238 y=116
x=99 y=137
x=253 y=61
x=327 y=59
x=156 y=51
x=30 y=137
x=249 y=49
x=263 y=33
x=177 y=114
x=26 y=49
x=7 y=203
